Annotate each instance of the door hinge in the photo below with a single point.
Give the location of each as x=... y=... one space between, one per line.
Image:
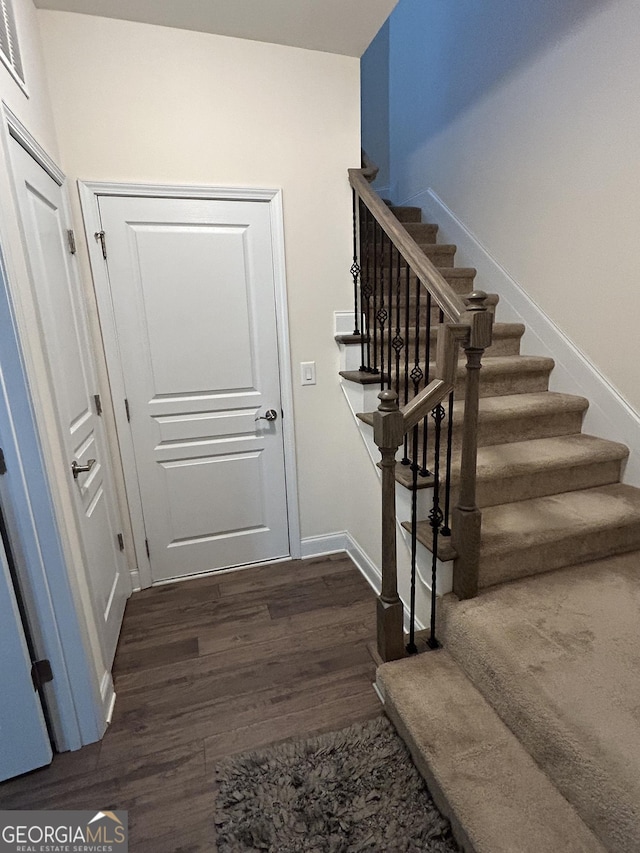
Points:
x=98 y=402
x=3 y=464
x=146 y=545
x=99 y=235
x=41 y=673
x=121 y=541
x=71 y=240
x=126 y=408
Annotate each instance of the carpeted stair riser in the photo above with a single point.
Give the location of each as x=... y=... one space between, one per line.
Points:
x=406 y=213
x=423 y=232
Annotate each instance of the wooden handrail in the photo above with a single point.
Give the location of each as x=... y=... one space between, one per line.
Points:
x=453 y=306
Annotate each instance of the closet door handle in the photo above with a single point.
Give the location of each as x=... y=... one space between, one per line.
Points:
x=81 y=469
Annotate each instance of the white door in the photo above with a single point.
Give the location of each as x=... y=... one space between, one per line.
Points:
x=192 y=289
x=24 y=743
x=72 y=375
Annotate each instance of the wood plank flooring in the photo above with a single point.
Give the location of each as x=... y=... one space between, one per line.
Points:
x=207 y=668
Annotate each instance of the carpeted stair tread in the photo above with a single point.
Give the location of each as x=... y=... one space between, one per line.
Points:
x=537 y=535
x=518 y=471
x=516 y=417
x=497 y=798
x=557 y=657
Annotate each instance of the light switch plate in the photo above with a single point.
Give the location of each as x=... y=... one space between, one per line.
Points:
x=307 y=373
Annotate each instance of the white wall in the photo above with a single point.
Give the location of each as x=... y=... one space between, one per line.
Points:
x=374 y=98
x=524 y=119
x=141 y=103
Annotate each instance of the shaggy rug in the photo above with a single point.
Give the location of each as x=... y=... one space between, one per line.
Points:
x=344 y=792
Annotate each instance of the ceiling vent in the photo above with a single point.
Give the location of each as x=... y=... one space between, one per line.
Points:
x=9 y=50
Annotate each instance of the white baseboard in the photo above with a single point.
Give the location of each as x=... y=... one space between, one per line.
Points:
x=609 y=415
x=108 y=696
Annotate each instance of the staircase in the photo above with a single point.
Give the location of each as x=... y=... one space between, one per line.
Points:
x=537 y=688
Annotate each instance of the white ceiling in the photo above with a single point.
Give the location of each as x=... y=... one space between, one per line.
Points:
x=335 y=26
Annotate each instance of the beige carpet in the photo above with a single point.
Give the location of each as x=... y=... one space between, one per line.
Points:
x=558 y=656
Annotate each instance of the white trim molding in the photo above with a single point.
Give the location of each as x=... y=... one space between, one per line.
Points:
x=90 y=192
x=609 y=415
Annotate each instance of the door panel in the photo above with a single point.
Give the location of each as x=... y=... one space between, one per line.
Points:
x=72 y=375
x=192 y=290
x=24 y=742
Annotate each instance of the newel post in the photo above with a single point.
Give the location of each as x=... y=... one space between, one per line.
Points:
x=388 y=433
x=466 y=517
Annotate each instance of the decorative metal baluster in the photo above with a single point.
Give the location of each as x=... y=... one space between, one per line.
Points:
x=365 y=289
x=390 y=304
x=382 y=314
x=446 y=530
x=411 y=645
x=374 y=279
x=424 y=471
x=435 y=519
x=398 y=342
x=355 y=266
x=407 y=313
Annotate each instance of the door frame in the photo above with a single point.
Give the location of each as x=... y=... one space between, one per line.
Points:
x=90 y=193
x=40 y=519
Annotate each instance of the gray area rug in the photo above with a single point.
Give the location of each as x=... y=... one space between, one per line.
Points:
x=343 y=792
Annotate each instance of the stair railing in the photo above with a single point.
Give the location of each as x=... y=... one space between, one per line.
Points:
x=411 y=325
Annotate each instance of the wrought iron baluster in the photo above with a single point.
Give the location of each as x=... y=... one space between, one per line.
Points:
x=424 y=471
x=355 y=266
x=382 y=314
x=446 y=530
x=435 y=519
x=374 y=279
x=411 y=645
x=390 y=305
x=398 y=342
x=407 y=312
x=365 y=289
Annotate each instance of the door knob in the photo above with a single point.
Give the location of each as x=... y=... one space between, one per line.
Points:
x=81 y=469
x=269 y=415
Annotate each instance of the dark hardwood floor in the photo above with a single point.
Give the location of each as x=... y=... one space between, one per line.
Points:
x=207 y=668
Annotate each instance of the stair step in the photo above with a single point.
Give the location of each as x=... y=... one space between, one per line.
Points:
x=383 y=299
x=406 y=214
x=544 y=466
x=535 y=536
x=506 y=338
x=557 y=657
x=440 y=255
x=461 y=279
x=522 y=470
x=501 y=375
x=480 y=776
x=422 y=232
